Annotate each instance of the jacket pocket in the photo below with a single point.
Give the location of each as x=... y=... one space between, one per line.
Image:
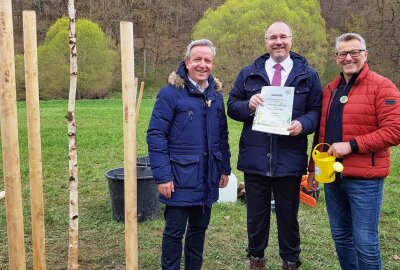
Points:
x=252 y=89
x=187 y=118
x=185 y=169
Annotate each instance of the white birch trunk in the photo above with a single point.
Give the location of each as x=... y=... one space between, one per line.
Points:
x=72 y=155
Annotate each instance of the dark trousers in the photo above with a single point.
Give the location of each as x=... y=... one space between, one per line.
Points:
x=286 y=195
x=192 y=220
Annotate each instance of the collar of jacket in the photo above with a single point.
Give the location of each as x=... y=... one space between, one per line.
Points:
x=180 y=79
x=335 y=83
x=299 y=62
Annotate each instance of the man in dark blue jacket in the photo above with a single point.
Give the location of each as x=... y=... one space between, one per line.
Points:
x=273 y=162
x=189 y=153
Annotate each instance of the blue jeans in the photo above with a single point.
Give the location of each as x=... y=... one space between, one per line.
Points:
x=354 y=209
x=194 y=221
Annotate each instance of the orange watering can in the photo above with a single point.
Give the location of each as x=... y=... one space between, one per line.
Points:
x=325 y=165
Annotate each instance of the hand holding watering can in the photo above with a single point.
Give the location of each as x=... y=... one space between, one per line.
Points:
x=325 y=164
x=339 y=149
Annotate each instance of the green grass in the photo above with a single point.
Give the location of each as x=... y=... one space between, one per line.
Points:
x=101 y=246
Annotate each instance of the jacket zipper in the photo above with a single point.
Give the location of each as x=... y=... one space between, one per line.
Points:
x=190 y=114
x=270 y=152
x=208 y=179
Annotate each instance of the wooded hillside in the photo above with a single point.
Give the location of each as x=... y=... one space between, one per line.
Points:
x=378 y=22
x=164 y=27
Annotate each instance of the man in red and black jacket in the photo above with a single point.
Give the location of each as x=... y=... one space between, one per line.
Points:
x=360 y=119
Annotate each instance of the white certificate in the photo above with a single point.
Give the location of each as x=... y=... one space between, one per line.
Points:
x=276 y=114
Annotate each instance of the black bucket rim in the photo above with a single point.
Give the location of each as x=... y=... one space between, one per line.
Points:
x=113 y=177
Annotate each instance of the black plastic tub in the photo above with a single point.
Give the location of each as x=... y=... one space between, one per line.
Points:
x=147 y=194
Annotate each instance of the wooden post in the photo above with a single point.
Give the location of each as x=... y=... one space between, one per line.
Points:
x=73 y=153
x=10 y=146
x=139 y=101
x=136 y=84
x=130 y=182
x=2 y=195
x=34 y=141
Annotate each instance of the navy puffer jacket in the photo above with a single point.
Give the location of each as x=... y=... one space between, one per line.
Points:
x=188 y=140
x=269 y=154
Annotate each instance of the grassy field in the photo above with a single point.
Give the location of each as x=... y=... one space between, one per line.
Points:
x=100 y=148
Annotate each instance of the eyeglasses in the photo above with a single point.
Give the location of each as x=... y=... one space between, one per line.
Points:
x=275 y=38
x=353 y=53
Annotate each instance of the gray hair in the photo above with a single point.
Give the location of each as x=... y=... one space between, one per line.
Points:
x=200 y=42
x=351 y=36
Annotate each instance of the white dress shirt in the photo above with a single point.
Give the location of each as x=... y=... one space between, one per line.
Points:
x=286 y=64
x=197 y=85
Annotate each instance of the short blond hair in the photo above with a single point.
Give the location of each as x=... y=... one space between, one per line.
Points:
x=200 y=42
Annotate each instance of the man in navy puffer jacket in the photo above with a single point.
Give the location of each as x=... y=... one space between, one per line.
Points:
x=273 y=162
x=189 y=153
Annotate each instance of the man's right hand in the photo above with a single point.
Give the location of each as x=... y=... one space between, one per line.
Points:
x=166 y=189
x=312 y=184
x=254 y=101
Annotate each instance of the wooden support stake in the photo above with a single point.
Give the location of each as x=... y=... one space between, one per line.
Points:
x=34 y=141
x=139 y=101
x=130 y=182
x=10 y=146
x=73 y=151
x=136 y=84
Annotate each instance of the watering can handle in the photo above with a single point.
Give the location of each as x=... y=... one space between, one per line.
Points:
x=315 y=151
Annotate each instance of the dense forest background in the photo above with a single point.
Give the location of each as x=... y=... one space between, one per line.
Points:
x=163 y=28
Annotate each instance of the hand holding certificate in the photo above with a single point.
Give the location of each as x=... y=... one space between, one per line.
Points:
x=275 y=115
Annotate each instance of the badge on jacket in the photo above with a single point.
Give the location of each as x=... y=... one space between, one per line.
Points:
x=208 y=103
x=390 y=102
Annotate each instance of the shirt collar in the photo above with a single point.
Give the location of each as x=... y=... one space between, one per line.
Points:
x=198 y=86
x=287 y=64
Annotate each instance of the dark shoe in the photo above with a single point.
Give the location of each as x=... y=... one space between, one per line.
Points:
x=257 y=263
x=286 y=265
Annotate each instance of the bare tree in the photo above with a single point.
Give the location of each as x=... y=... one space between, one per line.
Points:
x=73 y=154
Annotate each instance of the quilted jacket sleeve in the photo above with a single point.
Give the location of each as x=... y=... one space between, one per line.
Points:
x=224 y=144
x=238 y=103
x=387 y=104
x=157 y=133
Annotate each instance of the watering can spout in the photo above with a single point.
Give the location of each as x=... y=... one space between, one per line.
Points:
x=338 y=166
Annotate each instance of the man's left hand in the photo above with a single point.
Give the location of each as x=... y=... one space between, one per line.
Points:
x=223 y=182
x=339 y=149
x=295 y=128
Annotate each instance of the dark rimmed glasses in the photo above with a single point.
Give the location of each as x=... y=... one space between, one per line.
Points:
x=275 y=38
x=353 y=53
